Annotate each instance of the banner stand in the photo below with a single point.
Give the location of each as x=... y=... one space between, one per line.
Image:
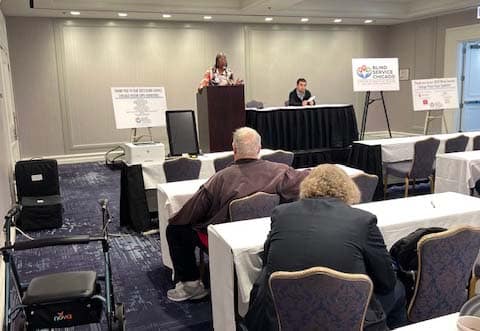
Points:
x=432 y=115
x=134 y=138
x=368 y=102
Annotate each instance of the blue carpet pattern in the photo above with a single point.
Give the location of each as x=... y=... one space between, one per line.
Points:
x=140 y=279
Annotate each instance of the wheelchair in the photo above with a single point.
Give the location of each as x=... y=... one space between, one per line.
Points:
x=60 y=300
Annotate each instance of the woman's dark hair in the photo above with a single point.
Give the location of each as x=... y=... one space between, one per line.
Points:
x=220 y=55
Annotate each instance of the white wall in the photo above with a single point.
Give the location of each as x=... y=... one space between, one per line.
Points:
x=63 y=69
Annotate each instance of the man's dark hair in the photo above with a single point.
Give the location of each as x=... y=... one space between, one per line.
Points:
x=301 y=80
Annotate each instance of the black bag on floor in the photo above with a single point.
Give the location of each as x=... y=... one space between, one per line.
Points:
x=38 y=192
x=404 y=254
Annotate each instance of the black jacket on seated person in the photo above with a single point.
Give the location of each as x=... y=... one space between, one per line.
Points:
x=322 y=232
x=294 y=100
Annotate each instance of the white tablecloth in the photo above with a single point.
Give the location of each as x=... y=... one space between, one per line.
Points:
x=401 y=149
x=442 y=323
x=457 y=172
x=172 y=196
x=235 y=246
x=153 y=173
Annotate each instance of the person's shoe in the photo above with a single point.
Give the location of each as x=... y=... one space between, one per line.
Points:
x=193 y=290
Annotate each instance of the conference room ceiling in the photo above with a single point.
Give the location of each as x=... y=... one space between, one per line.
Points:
x=243 y=11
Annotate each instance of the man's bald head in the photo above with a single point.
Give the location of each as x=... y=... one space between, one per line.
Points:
x=246 y=144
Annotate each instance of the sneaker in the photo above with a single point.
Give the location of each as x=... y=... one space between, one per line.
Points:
x=187 y=291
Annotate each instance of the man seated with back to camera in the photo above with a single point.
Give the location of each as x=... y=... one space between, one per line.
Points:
x=209 y=205
x=321 y=229
x=300 y=96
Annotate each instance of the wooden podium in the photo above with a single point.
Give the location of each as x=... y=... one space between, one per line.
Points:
x=220 y=110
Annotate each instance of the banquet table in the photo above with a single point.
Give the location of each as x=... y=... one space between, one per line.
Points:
x=305 y=128
x=172 y=196
x=235 y=247
x=370 y=155
x=457 y=172
x=442 y=323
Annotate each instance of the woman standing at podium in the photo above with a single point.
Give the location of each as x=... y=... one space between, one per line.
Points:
x=219 y=74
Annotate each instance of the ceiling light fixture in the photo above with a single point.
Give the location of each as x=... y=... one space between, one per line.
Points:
x=74 y=13
x=122 y=14
x=268 y=19
x=207 y=17
x=166 y=15
x=337 y=20
x=304 y=19
x=368 y=21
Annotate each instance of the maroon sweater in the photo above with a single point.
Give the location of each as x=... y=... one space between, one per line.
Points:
x=209 y=205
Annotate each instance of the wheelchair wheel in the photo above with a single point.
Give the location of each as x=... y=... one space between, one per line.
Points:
x=118 y=323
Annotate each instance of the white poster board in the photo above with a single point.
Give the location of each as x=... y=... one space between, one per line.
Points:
x=139 y=107
x=435 y=94
x=375 y=74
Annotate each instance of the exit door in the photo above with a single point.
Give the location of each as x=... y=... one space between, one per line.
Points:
x=469 y=79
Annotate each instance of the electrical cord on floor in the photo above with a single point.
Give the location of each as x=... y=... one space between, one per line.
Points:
x=23 y=233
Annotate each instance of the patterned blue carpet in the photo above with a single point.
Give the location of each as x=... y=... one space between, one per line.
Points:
x=140 y=279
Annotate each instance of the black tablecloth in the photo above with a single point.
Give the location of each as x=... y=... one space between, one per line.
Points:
x=369 y=159
x=297 y=128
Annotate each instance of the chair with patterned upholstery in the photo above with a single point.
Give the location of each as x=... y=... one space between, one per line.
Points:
x=445 y=262
x=476 y=143
x=181 y=169
x=457 y=144
x=472 y=289
x=257 y=205
x=280 y=157
x=320 y=299
x=367 y=184
x=420 y=167
x=222 y=162
x=254 y=104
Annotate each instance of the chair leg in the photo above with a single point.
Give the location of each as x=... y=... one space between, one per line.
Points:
x=432 y=184
x=471 y=286
x=385 y=186
x=202 y=265
x=413 y=186
x=406 y=187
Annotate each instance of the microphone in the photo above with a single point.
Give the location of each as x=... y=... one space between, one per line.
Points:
x=103 y=203
x=13 y=211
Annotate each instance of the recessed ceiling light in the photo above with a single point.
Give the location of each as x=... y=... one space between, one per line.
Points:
x=268 y=19
x=166 y=15
x=368 y=21
x=337 y=20
x=304 y=19
x=74 y=13
x=122 y=14
x=207 y=17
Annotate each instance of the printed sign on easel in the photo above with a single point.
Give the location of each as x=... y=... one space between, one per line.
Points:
x=435 y=94
x=139 y=107
x=375 y=74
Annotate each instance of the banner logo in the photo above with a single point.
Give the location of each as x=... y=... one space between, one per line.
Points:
x=364 y=72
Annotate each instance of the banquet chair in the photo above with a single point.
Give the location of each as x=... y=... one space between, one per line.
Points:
x=254 y=104
x=445 y=263
x=222 y=162
x=457 y=144
x=181 y=169
x=472 y=289
x=476 y=143
x=367 y=184
x=257 y=205
x=320 y=298
x=280 y=157
x=419 y=168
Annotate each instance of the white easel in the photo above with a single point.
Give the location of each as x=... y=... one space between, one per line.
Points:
x=134 y=138
x=433 y=115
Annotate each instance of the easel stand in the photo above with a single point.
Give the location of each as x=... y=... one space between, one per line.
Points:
x=135 y=139
x=432 y=115
x=368 y=102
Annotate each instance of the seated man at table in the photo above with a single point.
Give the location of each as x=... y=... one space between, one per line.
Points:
x=247 y=175
x=321 y=229
x=300 y=96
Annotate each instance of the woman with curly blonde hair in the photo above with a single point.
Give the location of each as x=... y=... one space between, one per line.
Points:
x=322 y=229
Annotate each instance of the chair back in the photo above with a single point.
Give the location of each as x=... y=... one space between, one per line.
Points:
x=445 y=263
x=181 y=169
x=254 y=104
x=222 y=162
x=257 y=205
x=458 y=144
x=320 y=299
x=367 y=184
x=286 y=103
x=424 y=158
x=280 y=157
x=476 y=143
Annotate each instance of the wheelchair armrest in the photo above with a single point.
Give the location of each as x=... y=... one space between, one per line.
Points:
x=52 y=241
